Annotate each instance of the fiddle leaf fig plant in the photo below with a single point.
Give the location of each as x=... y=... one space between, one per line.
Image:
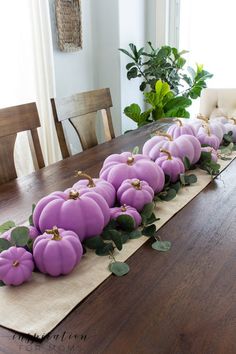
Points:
x=168 y=87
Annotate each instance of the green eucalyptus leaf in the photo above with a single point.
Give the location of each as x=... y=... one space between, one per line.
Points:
x=162 y=246
x=116 y=237
x=168 y=195
x=135 y=150
x=105 y=250
x=126 y=222
x=4 y=244
x=147 y=210
x=187 y=163
x=151 y=219
x=119 y=268
x=7 y=226
x=135 y=234
x=176 y=186
x=94 y=242
x=31 y=216
x=20 y=236
x=182 y=179
x=149 y=230
x=30 y=245
x=125 y=236
x=191 y=178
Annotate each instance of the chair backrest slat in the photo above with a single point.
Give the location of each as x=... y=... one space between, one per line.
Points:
x=80 y=110
x=12 y=121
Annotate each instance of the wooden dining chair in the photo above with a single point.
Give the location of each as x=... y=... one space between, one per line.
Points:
x=12 y=121
x=81 y=111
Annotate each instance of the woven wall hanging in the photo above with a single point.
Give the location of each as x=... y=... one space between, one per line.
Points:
x=68 y=19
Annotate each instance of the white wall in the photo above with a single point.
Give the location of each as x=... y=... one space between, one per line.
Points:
x=107 y=25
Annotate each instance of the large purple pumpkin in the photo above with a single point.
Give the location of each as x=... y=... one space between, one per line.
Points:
x=175 y=130
x=98 y=185
x=16 y=266
x=57 y=252
x=85 y=214
x=135 y=193
x=119 y=167
x=171 y=165
x=183 y=146
x=126 y=210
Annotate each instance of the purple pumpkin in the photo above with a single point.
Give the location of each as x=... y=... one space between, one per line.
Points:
x=183 y=146
x=57 y=252
x=98 y=185
x=135 y=193
x=214 y=155
x=33 y=233
x=151 y=143
x=126 y=210
x=85 y=214
x=206 y=137
x=16 y=266
x=119 y=167
x=175 y=130
x=171 y=165
x=215 y=127
x=231 y=127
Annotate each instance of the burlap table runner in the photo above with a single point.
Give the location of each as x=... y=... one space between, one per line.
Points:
x=36 y=307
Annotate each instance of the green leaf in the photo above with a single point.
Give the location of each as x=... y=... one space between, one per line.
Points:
x=7 y=226
x=149 y=230
x=147 y=210
x=130 y=65
x=191 y=178
x=135 y=234
x=125 y=236
x=162 y=246
x=127 y=53
x=107 y=249
x=133 y=111
x=30 y=245
x=4 y=244
x=31 y=216
x=94 y=242
x=187 y=163
x=168 y=195
x=177 y=102
x=151 y=219
x=132 y=73
x=20 y=236
x=126 y=222
x=119 y=268
x=117 y=239
x=1 y=283
x=135 y=150
x=176 y=186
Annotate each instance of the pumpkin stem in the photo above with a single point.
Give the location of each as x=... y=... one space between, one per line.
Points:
x=177 y=120
x=55 y=232
x=169 y=157
x=15 y=263
x=159 y=133
x=202 y=117
x=123 y=208
x=81 y=174
x=207 y=128
x=73 y=194
x=137 y=184
x=130 y=160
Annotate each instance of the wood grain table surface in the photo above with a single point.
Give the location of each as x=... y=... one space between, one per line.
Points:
x=180 y=302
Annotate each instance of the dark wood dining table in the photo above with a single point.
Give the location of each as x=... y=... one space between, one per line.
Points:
x=179 y=302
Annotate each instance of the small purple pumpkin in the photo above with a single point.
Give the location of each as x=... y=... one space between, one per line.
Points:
x=126 y=210
x=57 y=252
x=214 y=155
x=16 y=266
x=206 y=137
x=183 y=146
x=98 y=185
x=135 y=193
x=85 y=214
x=119 y=167
x=215 y=127
x=33 y=233
x=175 y=130
x=171 y=165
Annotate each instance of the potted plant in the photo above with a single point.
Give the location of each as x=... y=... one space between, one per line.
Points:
x=168 y=87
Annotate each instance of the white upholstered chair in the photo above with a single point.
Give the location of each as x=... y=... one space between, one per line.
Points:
x=218 y=102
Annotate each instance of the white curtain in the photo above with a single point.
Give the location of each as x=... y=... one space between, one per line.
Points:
x=26 y=72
